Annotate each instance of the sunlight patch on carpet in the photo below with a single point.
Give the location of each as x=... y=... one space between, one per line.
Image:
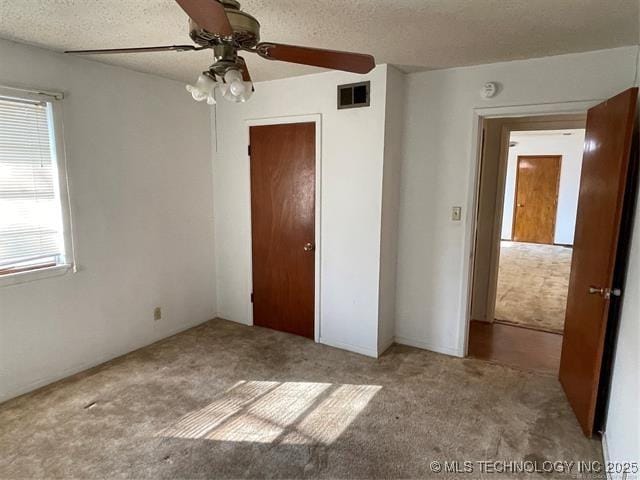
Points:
x=277 y=412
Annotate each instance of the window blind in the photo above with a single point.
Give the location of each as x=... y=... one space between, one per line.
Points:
x=30 y=215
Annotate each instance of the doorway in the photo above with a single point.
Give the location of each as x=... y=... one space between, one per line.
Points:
x=538 y=221
x=528 y=200
x=283 y=225
x=600 y=232
x=527 y=203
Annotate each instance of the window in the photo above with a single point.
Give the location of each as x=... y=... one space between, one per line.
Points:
x=34 y=233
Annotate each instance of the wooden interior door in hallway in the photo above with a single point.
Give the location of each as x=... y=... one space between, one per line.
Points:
x=605 y=167
x=536 y=198
x=283 y=180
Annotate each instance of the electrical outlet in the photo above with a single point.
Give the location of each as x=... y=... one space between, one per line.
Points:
x=157 y=313
x=456 y=214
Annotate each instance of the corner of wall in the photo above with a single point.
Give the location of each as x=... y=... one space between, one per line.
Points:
x=390 y=211
x=213 y=129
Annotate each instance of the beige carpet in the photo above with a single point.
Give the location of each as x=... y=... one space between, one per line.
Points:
x=229 y=401
x=533 y=280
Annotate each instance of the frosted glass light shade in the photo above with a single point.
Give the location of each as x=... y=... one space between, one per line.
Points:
x=235 y=89
x=203 y=89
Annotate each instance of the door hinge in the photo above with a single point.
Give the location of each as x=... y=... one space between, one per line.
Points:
x=251 y=297
x=249 y=150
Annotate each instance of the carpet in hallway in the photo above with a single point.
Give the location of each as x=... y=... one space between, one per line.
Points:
x=533 y=280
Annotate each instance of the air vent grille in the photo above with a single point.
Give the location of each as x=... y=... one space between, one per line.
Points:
x=354 y=95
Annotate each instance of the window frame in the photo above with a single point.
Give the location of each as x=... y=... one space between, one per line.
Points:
x=54 y=109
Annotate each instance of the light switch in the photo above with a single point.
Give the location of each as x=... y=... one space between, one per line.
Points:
x=456 y=214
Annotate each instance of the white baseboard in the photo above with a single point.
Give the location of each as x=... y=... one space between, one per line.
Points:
x=229 y=318
x=605 y=454
x=454 y=352
x=369 y=352
x=21 y=389
x=385 y=345
x=14 y=391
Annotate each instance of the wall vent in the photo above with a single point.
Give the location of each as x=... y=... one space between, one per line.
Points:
x=354 y=95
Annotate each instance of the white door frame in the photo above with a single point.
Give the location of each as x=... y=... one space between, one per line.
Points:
x=312 y=118
x=479 y=114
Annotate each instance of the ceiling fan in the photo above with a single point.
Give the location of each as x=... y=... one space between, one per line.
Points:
x=221 y=26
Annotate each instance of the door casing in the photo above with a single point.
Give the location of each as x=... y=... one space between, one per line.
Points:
x=317 y=119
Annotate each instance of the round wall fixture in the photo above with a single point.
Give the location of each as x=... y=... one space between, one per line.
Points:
x=489 y=90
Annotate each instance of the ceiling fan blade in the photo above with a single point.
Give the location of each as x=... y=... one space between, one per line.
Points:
x=170 y=48
x=246 y=76
x=208 y=14
x=335 y=60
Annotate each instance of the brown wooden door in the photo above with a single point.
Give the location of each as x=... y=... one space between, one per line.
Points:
x=536 y=198
x=283 y=184
x=602 y=187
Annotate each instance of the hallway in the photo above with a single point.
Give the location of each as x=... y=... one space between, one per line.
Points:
x=533 y=281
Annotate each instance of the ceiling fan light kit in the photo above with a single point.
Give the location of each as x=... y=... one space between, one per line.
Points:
x=234 y=88
x=203 y=89
x=220 y=25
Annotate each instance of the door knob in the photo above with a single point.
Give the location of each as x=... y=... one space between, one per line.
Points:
x=309 y=247
x=520 y=205
x=598 y=291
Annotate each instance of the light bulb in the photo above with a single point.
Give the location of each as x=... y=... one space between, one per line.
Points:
x=237 y=88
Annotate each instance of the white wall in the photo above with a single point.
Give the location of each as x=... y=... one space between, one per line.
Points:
x=623 y=415
x=351 y=198
x=438 y=172
x=540 y=143
x=394 y=122
x=139 y=165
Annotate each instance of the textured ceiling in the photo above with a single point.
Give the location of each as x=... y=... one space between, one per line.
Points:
x=413 y=34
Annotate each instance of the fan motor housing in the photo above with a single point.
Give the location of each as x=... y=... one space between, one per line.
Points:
x=246 y=29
